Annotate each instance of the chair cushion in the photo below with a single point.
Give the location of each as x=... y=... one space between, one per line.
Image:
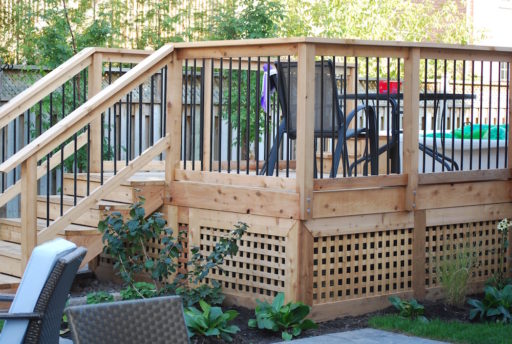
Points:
x=36 y=273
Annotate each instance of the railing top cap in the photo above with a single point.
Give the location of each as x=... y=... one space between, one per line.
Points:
x=334 y=41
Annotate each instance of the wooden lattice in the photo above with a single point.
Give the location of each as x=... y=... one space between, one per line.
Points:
x=359 y=265
x=477 y=238
x=259 y=267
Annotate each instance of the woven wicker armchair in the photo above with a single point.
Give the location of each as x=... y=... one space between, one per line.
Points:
x=157 y=320
x=36 y=311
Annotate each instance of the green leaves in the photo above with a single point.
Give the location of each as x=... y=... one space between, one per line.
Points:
x=99 y=297
x=496 y=305
x=210 y=322
x=287 y=318
x=408 y=309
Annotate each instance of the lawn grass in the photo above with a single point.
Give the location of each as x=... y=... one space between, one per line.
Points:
x=450 y=331
x=1 y=325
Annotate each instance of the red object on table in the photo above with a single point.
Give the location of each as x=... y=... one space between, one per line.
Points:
x=393 y=87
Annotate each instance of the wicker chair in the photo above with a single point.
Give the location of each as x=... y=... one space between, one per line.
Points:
x=46 y=282
x=156 y=320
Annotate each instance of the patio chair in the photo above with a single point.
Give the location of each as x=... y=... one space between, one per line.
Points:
x=36 y=311
x=330 y=121
x=155 y=320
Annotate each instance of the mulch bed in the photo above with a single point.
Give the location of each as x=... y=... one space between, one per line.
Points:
x=433 y=309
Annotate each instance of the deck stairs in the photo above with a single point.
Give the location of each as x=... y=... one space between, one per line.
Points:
x=83 y=231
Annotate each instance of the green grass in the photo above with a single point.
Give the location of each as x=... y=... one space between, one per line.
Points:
x=1 y=325
x=450 y=331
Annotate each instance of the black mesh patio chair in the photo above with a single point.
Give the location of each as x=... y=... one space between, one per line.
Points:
x=330 y=121
x=153 y=321
x=42 y=325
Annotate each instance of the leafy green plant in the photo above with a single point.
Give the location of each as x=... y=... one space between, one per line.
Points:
x=454 y=273
x=210 y=293
x=139 y=290
x=288 y=318
x=496 y=305
x=500 y=279
x=210 y=321
x=126 y=242
x=408 y=309
x=99 y=297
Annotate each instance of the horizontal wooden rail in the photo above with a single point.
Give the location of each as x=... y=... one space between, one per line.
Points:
x=111 y=184
x=44 y=86
x=90 y=110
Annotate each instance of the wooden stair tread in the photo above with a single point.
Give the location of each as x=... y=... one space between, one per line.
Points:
x=68 y=200
x=9 y=249
x=7 y=281
x=41 y=224
x=139 y=178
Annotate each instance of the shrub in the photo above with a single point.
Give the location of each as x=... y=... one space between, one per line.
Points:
x=126 y=242
x=408 y=309
x=289 y=318
x=211 y=321
x=496 y=305
x=99 y=297
x=210 y=293
x=454 y=273
x=139 y=290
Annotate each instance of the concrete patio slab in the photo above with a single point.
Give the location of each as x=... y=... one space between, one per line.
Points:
x=365 y=336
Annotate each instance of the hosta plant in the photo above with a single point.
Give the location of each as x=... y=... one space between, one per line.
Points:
x=408 y=309
x=210 y=321
x=496 y=305
x=289 y=319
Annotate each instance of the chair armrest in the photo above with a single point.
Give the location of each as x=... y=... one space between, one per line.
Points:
x=21 y=316
x=6 y=298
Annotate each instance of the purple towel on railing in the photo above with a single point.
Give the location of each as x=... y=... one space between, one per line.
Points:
x=264 y=88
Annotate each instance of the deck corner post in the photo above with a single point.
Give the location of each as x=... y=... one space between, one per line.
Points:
x=95 y=77
x=305 y=127
x=28 y=210
x=299 y=258
x=174 y=91
x=411 y=126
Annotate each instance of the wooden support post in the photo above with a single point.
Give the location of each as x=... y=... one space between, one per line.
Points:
x=305 y=127
x=418 y=254
x=208 y=93
x=173 y=123
x=411 y=126
x=94 y=87
x=509 y=158
x=28 y=209
x=299 y=262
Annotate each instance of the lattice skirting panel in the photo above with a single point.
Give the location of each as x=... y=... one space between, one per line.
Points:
x=261 y=269
x=479 y=239
x=359 y=265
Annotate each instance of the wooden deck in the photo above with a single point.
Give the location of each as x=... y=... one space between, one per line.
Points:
x=342 y=243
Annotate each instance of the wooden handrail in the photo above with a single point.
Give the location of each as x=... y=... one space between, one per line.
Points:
x=44 y=86
x=91 y=109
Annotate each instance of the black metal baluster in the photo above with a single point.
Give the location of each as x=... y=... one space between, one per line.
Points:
x=75 y=150
x=288 y=140
x=322 y=118
x=141 y=95
x=345 y=124
x=463 y=115
x=193 y=113
x=453 y=112
x=48 y=172
x=366 y=120
x=212 y=118
x=184 y=119
x=266 y=133
x=257 y=119
x=230 y=125
x=472 y=114
x=88 y=159
x=152 y=112
x=436 y=103
x=201 y=117
x=498 y=117
x=398 y=106
x=109 y=143
x=62 y=154
x=489 y=120
x=424 y=113
x=238 y=138
x=507 y=109
x=443 y=119
x=481 y=114
x=219 y=148
x=248 y=115
x=356 y=80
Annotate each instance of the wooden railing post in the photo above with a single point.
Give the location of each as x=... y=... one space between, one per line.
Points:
x=28 y=211
x=174 y=91
x=305 y=127
x=95 y=76
x=411 y=154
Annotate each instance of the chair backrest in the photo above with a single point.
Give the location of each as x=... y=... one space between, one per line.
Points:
x=39 y=267
x=328 y=116
x=53 y=298
x=156 y=320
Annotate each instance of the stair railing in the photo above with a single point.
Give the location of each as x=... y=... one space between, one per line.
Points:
x=81 y=128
